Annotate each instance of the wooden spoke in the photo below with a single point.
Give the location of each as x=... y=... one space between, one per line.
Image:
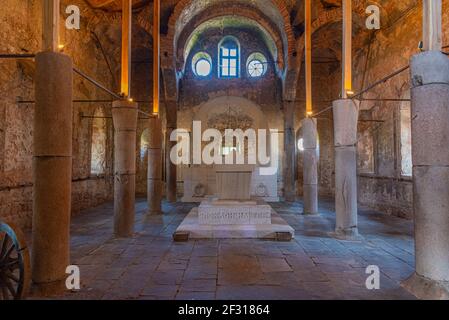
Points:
x=11 y=276
x=7 y=288
x=8 y=252
x=4 y=290
x=11 y=264
x=4 y=244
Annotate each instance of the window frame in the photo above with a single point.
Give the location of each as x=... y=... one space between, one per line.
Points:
x=224 y=44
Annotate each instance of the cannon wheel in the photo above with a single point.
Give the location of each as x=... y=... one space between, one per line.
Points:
x=14 y=264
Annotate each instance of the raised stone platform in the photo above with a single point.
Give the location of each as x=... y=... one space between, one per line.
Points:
x=271 y=231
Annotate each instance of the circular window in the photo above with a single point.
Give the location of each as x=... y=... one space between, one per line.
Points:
x=255 y=68
x=203 y=68
x=202 y=64
x=257 y=65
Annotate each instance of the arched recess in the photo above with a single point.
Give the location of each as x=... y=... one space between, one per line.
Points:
x=232 y=112
x=189 y=39
x=98 y=143
x=405 y=135
x=276 y=15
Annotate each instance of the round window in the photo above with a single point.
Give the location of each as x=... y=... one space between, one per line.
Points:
x=255 y=68
x=256 y=65
x=202 y=64
x=203 y=68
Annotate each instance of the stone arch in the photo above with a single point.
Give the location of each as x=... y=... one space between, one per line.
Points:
x=183 y=6
x=270 y=37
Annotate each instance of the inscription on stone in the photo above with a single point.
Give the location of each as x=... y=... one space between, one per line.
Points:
x=230 y=215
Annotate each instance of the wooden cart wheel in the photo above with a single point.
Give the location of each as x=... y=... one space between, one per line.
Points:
x=14 y=264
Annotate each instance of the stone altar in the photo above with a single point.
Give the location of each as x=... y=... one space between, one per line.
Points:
x=200 y=183
x=232 y=213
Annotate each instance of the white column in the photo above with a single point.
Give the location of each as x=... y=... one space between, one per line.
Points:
x=124 y=114
x=310 y=165
x=430 y=140
x=346 y=114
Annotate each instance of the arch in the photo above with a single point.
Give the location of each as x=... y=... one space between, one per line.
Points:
x=279 y=16
x=229 y=57
x=99 y=142
x=246 y=19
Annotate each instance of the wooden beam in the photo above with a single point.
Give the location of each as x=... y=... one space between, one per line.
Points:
x=125 y=87
x=432 y=20
x=50 y=25
x=156 y=55
x=308 y=58
x=347 y=48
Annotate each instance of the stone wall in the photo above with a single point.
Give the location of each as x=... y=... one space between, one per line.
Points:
x=382 y=185
x=386 y=188
x=21 y=33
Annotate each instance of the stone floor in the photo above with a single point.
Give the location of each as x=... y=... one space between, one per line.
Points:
x=313 y=266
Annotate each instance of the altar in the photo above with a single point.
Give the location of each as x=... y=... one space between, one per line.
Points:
x=202 y=182
x=233 y=213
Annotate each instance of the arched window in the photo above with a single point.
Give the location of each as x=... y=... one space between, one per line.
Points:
x=256 y=65
x=202 y=64
x=98 y=148
x=229 y=58
x=144 y=144
x=406 y=137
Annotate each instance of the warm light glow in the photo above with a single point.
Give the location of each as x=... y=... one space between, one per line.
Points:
x=125 y=81
x=309 y=113
x=131 y=100
x=156 y=55
x=350 y=92
x=347 y=47
x=61 y=46
x=308 y=57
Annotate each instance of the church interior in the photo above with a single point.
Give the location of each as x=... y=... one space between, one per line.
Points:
x=106 y=104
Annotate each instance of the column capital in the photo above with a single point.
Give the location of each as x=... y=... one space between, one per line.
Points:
x=346 y=117
x=429 y=67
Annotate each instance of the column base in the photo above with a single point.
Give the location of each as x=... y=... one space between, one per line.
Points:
x=48 y=289
x=310 y=199
x=426 y=289
x=289 y=198
x=351 y=234
x=155 y=213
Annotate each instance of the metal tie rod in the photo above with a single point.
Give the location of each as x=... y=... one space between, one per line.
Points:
x=94 y=82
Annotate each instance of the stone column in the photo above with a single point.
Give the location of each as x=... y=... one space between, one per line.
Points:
x=154 y=186
x=310 y=168
x=171 y=178
x=290 y=151
x=430 y=140
x=346 y=114
x=124 y=114
x=52 y=172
